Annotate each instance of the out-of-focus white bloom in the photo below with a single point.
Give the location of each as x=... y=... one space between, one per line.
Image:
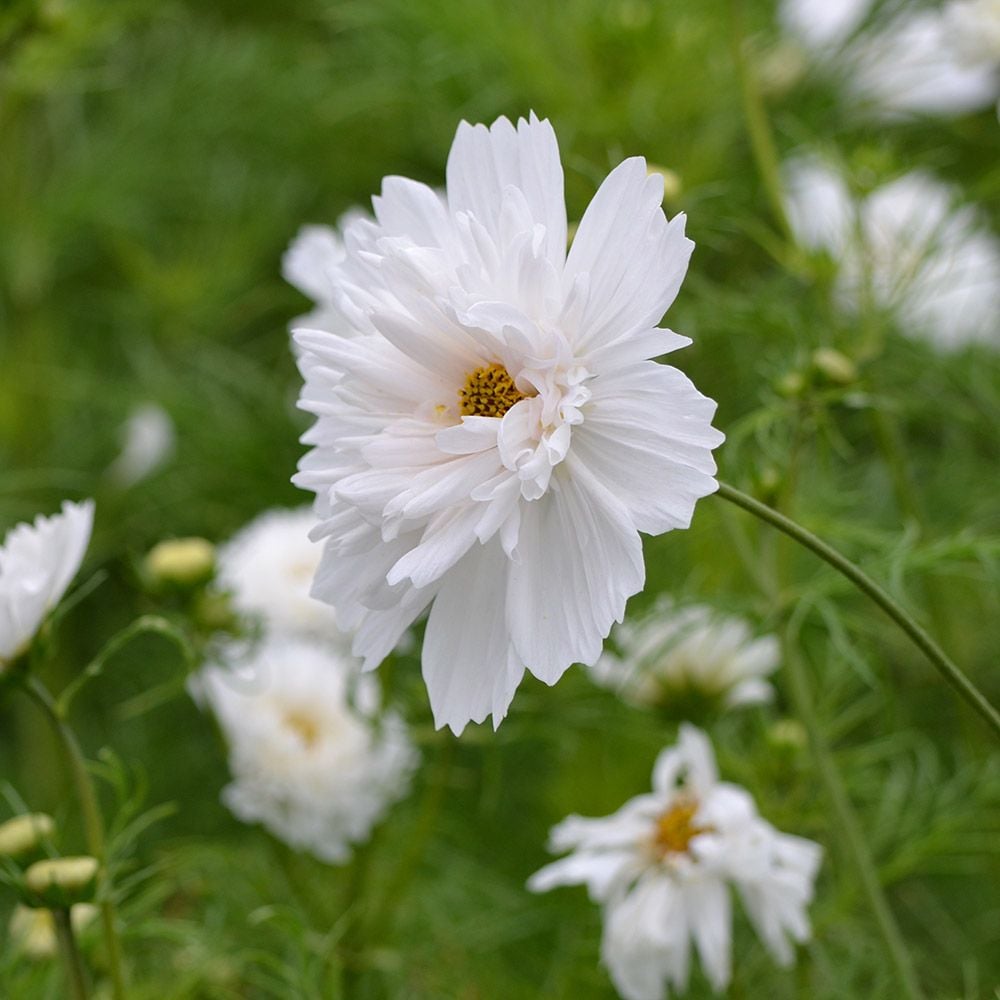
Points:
x=670 y=652
x=310 y=264
x=821 y=25
x=494 y=437
x=662 y=868
x=311 y=757
x=32 y=930
x=37 y=563
x=908 y=247
x=148 y=441
x=269 y=567
x=920 y=60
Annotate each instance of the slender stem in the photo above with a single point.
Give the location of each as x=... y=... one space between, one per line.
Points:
x=70 y=953
x=762 y=143
x=949 y=670
x=93 y=825
x=849 y=827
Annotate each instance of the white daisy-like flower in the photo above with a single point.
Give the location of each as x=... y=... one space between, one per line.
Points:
x=148 y=440
x=670 y=653
x=268 y=567
x=908 y=247
x=918 y=61
x=495 y=436
x=312 y=759
x=37 y=563
x=663 y=866
x=309 y=264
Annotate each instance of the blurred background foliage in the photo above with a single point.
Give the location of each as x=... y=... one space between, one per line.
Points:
x=156 y=156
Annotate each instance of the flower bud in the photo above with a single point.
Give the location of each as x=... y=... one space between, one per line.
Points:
x=672 y=185
x=60 y=882
x=24 y=833
x=181 y=562
x=33 y=931
x=834 y=366
x=787 y=734
x=791 y=384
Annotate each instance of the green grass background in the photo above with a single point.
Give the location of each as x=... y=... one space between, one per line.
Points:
x=156 y=156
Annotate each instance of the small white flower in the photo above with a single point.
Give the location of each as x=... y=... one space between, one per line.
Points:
x=37 y=563
x=494 y=436
x=311 y=758
x=670 y=652
x=907 y=247
x=148 y=441
x=309 y=264
x=269 y=566
x=662 y=868
x=919 y=61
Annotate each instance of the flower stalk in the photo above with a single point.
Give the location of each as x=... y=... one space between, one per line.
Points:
x=70 y=954
x=93 y=825
x=945 y=665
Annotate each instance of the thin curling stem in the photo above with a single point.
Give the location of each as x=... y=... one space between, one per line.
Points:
x=949 y=670
x=93 y=825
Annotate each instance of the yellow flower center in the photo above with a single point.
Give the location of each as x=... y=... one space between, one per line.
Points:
x=676 y=828
x=489 y=392
x=304 y=726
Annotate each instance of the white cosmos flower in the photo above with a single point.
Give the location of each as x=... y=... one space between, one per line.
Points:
x=670 y=651
x=309 y=264
x=662 y=868
x=311 y=758
x=918 y=61
x=494 y=437
x=37 y=563
x=908 y=246
x=148 y=439
x=269 y=566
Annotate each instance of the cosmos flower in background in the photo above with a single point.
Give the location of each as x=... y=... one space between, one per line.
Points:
x=309 y=263
x=907 y=247
x=148 y=441
x=311 y=756
x=37 y=563
x=671 y=653
x=494 y=436
x=918 y=60
x=663 y=868
x=268 y=568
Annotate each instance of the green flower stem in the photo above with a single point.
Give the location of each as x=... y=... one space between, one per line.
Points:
x=93 y=825
x=762 y=143
x=949 y=670
x=848 y=825
x=70 y=954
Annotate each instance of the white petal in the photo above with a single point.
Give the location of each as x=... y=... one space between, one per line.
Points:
x=469 y=665
x=580 y=560
x=635 y=259
x=709 y=910
x=484 y=162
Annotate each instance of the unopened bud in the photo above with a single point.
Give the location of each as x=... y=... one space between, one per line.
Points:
x=183 y=562
x=787 y=734
x=791 y=384
x=60 y=882
x=24 y=833
x=32 y=931
x=834 y=366
x=672 y=185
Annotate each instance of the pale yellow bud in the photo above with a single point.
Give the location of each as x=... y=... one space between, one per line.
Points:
x=24 y=833
x=672 y=185
x=787 y=734
x=182 y=562
x=33 y=931
x=834 y=366
x=62 y=881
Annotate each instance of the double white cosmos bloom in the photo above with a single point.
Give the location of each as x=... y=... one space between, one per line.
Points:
x=662 y=867
x=37 y=563
x=492 y=435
